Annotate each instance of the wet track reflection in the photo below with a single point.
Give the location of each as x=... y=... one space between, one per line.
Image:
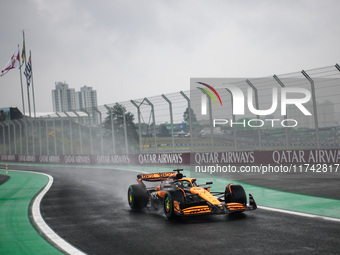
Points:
x=88 y=208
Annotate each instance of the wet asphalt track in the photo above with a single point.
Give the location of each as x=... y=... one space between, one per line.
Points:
x=88 y=208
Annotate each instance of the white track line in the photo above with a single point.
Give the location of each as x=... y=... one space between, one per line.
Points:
x=315 y=216
x=43 y=227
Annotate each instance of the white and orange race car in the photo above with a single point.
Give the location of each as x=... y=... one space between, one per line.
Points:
x=180 y=196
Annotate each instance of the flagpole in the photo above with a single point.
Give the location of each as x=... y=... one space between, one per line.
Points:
x=27 y=84
x=22 y=91
x=32 y=85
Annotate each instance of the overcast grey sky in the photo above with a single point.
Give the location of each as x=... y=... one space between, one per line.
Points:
x=134 y=49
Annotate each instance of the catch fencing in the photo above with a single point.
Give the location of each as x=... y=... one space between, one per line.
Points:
x=172 y=123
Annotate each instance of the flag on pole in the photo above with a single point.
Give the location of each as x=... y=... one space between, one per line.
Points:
x=28 y=71
x=14 y=62
x=23 y=56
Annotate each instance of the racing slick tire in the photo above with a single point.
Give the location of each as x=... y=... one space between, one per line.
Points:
x=235 y=194
x=169 y=207
x=138 y=196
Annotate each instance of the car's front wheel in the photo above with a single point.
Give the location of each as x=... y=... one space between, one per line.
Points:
x=235 y=194
x=173 y=200
x=138 y=196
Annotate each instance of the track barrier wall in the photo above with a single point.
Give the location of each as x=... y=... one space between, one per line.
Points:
x=327 y=156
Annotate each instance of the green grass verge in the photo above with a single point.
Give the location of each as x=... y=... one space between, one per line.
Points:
x=17 y=235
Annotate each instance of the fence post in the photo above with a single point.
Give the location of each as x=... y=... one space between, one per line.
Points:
x=40 y=139
x=15 y=137
x=171 y=121
x=210 y=120
x=70 y=127
x=54 y=137
x=233 y=117
x=190 y=120
x=62 y=133
x=257 y=107
x=90 y=130
x=33 y=142
x=125 y=130
x=337 y=67
x=17 y=121
x=139 y=126
x=26 y=136
x=211 y=125
x=3 y=137
x=9 y=138
x=285 y=116
x=47 y=142
x=80 y=136
x=316 y=123
x=101 y=129
x=154 y=122
x=112 y=130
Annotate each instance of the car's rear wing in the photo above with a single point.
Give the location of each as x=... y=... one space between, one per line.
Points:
x=154 y=177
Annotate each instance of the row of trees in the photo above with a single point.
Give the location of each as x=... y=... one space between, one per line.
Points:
x=114 y=122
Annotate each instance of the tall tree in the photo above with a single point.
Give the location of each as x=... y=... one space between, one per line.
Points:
x=118 y=111
x=195 y=125
x=163 y=131
x=186 y=115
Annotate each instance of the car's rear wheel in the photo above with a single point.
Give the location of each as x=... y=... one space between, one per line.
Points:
x=169 y=203
x=235 y=194
x=138 y=196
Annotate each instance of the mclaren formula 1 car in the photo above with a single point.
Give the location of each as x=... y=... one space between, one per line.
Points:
x=180 y=196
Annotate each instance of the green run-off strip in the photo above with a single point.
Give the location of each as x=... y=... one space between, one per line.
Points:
x=17 y=235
